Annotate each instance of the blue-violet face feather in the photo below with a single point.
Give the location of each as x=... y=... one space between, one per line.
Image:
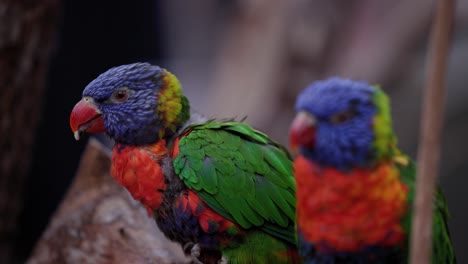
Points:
x=134 y=121
x=347 y=143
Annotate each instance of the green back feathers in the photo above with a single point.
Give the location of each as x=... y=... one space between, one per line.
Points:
x=259 y=248
x=184 y=114
x=241 y=174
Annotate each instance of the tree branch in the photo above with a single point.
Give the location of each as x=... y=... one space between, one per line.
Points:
x=98 y=222
x=431 y=127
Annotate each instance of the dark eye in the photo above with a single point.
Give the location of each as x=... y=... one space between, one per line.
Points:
x=342 y=117
x=120 y=95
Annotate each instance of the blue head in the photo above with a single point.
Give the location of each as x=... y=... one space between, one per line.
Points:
x=130 y=100
x=335 y=122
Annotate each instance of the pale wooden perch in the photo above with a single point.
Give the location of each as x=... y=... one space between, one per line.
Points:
x=98 y=222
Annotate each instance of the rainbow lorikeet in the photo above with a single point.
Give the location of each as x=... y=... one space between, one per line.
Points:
x=355 y=188
x=221 y=189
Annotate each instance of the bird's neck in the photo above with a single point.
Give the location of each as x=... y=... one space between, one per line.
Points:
x=347 y=211
x=141 y=171
x=173 y=108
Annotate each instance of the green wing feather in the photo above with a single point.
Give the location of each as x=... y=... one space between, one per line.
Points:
x=442 y=246
x=241 y=174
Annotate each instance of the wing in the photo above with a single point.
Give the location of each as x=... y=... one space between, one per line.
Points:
x=442 y=245
x=241 y=174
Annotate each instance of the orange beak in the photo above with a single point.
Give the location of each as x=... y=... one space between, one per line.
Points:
x=302 y=132
x=86 y=117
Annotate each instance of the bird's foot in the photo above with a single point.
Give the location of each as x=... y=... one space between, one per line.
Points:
x=194 y=251
x=223 y=260
x=187 y=247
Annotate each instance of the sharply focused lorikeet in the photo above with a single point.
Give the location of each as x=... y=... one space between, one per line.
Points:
x=221 y=189
x=354 y=187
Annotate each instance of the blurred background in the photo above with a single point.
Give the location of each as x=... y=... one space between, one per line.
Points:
x=235 y=58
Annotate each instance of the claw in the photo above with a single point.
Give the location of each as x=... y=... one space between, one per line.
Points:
x=187 y=246
x=194 y=251
x=223 y=260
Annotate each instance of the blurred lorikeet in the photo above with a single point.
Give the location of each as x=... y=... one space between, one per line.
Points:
x=221 y=189
x=354 y=187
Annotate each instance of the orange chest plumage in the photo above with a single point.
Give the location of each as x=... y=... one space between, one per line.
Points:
x=347 y=211
x=138 y=169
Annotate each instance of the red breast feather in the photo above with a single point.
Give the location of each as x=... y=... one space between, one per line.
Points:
x=138 y=170
x=348 y=211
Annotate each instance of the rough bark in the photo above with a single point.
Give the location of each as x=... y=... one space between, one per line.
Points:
x=98 y=222
x=26 y=36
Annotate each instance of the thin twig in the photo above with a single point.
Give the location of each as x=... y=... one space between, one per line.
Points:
x=431 y=127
